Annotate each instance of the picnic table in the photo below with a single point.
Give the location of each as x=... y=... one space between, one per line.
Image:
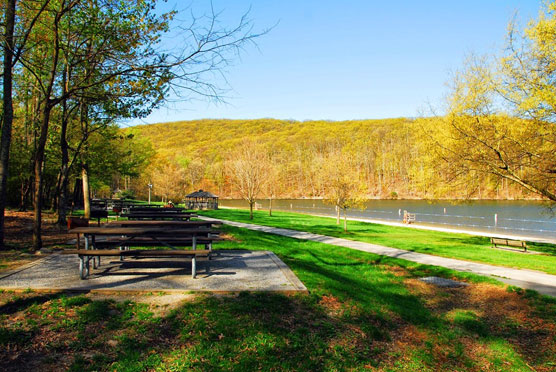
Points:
x=161 y=223
x=184 y=216
x=141 y=236
x=155 y=208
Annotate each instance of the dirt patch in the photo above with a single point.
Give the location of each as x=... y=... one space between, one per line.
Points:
x=160 y=303
x=19 y=238
x=19 y=230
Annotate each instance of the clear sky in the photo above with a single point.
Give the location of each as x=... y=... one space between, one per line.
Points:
x=351 y=59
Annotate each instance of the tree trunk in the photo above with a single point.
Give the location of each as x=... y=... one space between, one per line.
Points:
x=86 y=199
x=62 y=189
x=38 y=170
x=345 y=220
x=7 y=115
x=251 y=209
x=270 y=207
x=337 y=214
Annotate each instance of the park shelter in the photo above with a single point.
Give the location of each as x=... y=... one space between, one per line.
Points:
x=201 y=200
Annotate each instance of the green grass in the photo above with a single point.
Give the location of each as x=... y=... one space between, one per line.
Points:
x=361 y=313
x=459 y=246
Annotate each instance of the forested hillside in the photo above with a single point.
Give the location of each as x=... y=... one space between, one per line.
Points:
x=390 y=158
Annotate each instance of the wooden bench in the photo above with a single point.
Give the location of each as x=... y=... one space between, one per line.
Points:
x=508 y=243
x=85 y=256
x=164 y=241
x=98 y=214
x=408 y=217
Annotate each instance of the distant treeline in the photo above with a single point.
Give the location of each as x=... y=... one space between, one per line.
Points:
x=392 y=158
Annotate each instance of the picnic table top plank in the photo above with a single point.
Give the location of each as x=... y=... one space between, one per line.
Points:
x=136 y=252
x=158 y=215
x=93 y=230
x=160 y=223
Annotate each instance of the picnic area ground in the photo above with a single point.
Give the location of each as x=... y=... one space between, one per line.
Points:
x=363 y=311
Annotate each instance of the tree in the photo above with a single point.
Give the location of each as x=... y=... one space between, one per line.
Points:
x=7 y=107
x=105 y=60
x=502 y=113
x=342 y=186
x=274 y=174
x=168 y=179
x=246 y=167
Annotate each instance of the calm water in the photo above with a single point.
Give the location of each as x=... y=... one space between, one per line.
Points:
x=531 y=218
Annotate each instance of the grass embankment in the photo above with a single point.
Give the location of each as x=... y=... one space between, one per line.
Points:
x=363 y=312
x=459 y=246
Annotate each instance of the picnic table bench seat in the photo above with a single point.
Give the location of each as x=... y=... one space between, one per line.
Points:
x=115 y=241
x=86 y=255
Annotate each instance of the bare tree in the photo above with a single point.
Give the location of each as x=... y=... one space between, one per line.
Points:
x=342 y=186
x=247 y=168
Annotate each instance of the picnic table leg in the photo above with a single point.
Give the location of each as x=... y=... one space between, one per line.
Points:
x=87 y=259
x=193 y=267
x=83 y=266
x=94 y=258
x=194 y=260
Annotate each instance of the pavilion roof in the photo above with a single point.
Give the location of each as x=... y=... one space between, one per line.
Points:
x=201 y=194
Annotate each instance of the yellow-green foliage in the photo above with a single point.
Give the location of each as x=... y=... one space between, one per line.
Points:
x=389 y=157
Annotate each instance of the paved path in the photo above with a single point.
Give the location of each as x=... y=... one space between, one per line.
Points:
x=529 y=279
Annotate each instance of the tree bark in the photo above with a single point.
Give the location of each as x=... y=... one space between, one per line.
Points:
x=345 y=220
x=38 y=165
x=270 y=207
x=7 y=115
x=251 y=209
x=337 y=214
x=86 y=199
x=62 y=190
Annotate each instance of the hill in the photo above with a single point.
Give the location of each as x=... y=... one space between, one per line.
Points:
x=391 y=157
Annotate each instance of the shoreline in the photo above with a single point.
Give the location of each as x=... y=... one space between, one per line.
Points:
x=463 y=200
x=418 y=226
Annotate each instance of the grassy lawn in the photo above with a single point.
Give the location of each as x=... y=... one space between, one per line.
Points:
x=363 y=312
x=460 y=246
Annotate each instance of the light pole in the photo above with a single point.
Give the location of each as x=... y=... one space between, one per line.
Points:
x=150 y=188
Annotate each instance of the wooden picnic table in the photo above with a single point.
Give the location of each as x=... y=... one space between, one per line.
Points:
x=158 y=216
x=124 y=237
x=161 y=223
x=155 y=208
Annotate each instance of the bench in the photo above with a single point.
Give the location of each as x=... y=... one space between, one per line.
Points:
x=163 y=241
x=508 y=243
x=98 y=214
x=85 y=256
x=408 y=217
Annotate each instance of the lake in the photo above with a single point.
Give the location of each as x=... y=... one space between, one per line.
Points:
x=531 y=218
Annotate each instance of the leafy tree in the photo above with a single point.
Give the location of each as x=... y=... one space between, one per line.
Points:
x=502 y=113
x=88 y=63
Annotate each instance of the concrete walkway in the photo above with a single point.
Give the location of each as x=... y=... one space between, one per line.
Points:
x=528 y=279
x=230 y=271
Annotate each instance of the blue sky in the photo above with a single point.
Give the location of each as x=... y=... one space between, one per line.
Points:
x=342 y=60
